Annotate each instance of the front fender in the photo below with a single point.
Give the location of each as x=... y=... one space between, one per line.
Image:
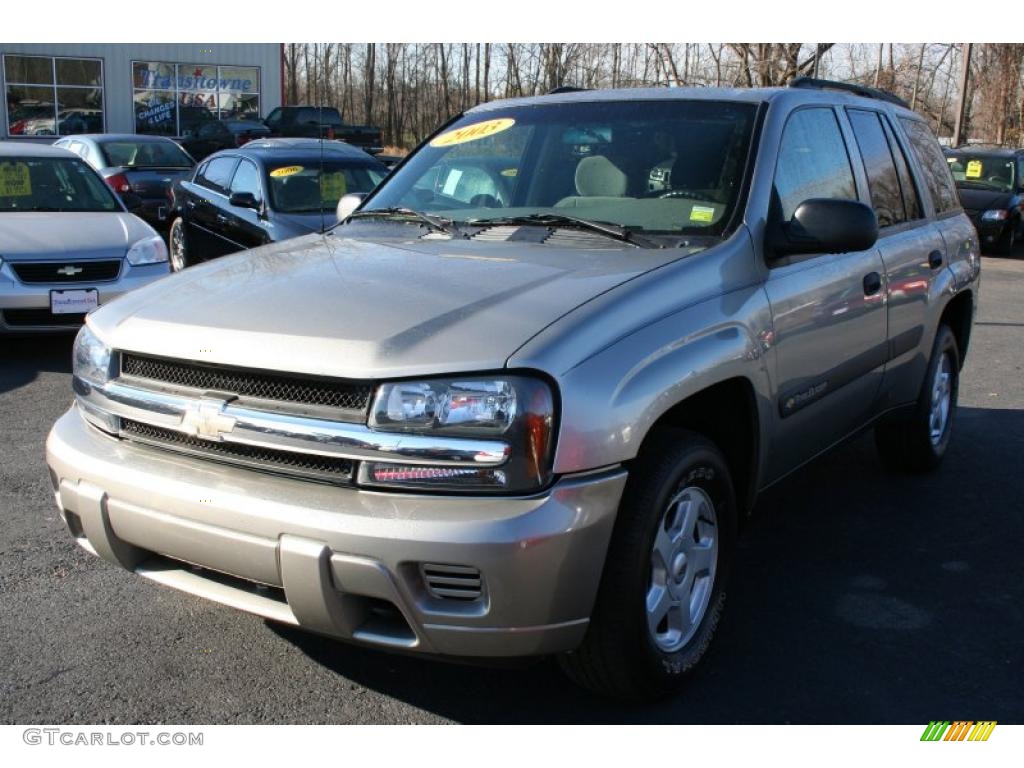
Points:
x=611 y=400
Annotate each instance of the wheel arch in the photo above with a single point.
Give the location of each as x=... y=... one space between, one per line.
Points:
x=727 y=414
x=958 y=314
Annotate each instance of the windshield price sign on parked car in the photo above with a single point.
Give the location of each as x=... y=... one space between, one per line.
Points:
x=14 y=180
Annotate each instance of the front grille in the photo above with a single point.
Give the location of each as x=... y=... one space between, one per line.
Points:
x=323 y=468
x=15 y=318
x=343 y=395
x=67 y=271
x=452 y=582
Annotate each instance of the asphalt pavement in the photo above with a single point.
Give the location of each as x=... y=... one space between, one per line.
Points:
x=858 y=596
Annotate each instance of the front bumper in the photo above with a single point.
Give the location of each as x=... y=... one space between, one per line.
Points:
x=16 y=296
x=342 y=562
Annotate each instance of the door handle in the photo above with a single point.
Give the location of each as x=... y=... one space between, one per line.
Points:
x=935 y=259
x=872 y=283
x=222 y=219
x=190 y=204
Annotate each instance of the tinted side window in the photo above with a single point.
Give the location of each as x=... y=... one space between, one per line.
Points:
x=274 y=117
x=813 y=161
x=933 y=164
x=883 y=183
x=247 y=179
x=911 y=197
x=217 y=173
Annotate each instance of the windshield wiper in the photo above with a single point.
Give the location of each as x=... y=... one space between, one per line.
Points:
x=436 y=222
x=606 y=228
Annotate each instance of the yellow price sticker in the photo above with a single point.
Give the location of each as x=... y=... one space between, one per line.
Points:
x=510 y=172
x=973 y=169
x=15 y=180
x=333 y=186
x=288 y=170
x=702 y=214
x=473 y=132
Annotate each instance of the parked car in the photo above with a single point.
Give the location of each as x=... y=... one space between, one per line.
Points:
x=67 y=121
x=457 y=428
x=141 y=169
x=269 y=190
x=990 y=182
x=67 y=243
x=222 y=134
x=322 y=123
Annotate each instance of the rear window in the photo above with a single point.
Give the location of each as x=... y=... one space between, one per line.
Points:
x=137 y=154
x=933 y=165
x=325 y=116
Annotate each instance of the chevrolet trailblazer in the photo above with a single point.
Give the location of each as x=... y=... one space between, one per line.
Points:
x=521 y=400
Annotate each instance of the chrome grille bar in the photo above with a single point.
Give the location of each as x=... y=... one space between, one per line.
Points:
x=214 y=417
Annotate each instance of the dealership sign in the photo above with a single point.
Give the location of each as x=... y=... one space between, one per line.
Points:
x=198 y=81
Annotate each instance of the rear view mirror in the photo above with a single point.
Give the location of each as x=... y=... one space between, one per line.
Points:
x=348 y=204
x=822 y=225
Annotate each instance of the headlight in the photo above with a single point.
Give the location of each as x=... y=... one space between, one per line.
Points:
x=91 y=358
x=516 y=409
x=998 y=215
x=149 y=251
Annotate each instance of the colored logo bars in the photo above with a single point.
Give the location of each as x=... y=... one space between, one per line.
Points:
x=958 y=730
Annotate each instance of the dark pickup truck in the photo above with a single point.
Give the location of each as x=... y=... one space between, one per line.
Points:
x=323 y=123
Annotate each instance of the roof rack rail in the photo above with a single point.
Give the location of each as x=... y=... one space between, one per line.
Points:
x=859 y=90
x=566 y=89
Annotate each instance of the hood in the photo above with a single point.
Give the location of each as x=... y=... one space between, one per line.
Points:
x=31 y=236
x=983 y=199
x=333 y=306
x=295 y=224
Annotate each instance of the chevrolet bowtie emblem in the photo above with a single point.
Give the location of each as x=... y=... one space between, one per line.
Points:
x=70 y=270
x=206 y=419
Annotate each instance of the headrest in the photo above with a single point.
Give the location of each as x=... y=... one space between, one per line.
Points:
x=597 y=176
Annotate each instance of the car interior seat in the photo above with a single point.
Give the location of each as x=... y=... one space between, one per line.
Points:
x=597 y=179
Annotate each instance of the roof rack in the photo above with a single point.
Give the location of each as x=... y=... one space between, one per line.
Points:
x=859 y=90
x=566 y=89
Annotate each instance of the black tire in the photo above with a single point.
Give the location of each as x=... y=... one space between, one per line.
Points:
x=619 y=656
x=907 y=443
x=179 y=260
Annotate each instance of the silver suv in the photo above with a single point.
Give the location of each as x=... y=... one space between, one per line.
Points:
x=521 y=401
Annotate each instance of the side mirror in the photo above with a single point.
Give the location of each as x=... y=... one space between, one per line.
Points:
x=243 y=200
x=348 y=204
x=824 y=225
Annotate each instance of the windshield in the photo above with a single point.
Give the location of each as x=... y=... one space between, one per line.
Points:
x=650 y=166
x=301 y=188
x=980 y=170
x=149 y=154
x=52 y=184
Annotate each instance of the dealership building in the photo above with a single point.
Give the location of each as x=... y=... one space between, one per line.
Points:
x=55 y=90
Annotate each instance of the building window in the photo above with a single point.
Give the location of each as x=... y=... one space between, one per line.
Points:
x=51 y=96
x=176 y=99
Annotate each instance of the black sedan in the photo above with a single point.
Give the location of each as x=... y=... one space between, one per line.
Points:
x=267 y=191
x=141 y=169
x=990 y=183
x=216 y=135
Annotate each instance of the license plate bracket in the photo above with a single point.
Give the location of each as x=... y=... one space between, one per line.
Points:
x=74 y=301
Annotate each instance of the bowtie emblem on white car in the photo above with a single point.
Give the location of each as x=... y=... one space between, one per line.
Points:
x=70 y=270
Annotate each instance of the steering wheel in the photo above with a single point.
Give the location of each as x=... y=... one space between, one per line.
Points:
x=485 y=201
x=679 y=192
